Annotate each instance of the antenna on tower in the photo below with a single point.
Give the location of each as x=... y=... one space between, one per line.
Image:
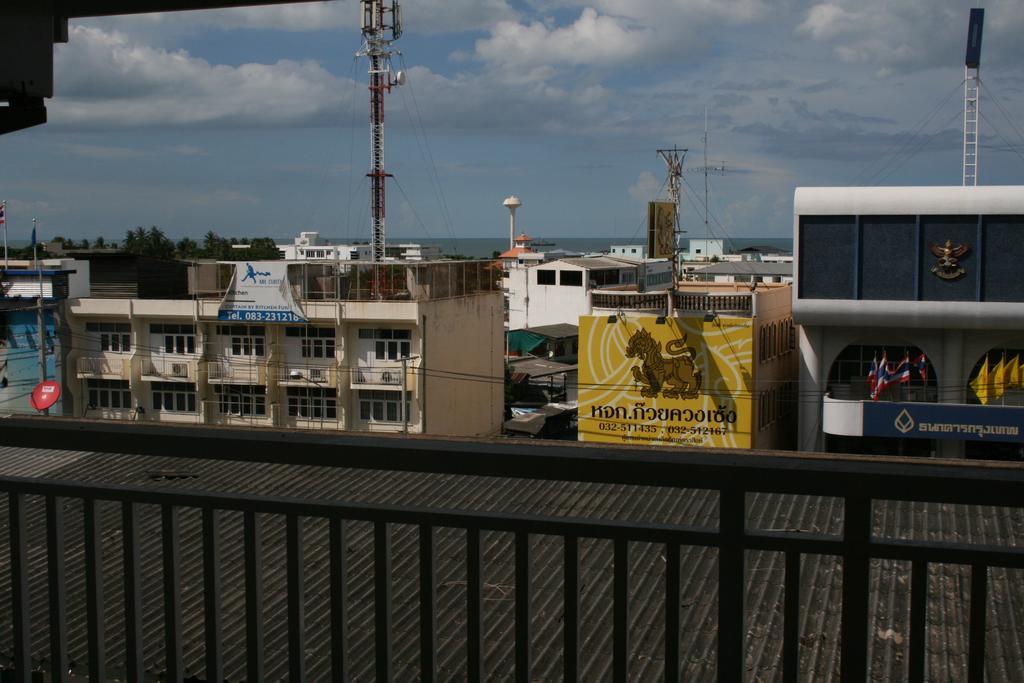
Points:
x=674 y=162
x=381 y=24
x=972 y=80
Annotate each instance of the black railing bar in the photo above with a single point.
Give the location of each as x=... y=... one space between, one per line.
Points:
x=56 y=570
x=672 y=604
x=132 y=584
x=20 y=614
x=769 y=471
x=791 y=620
x=171 y=541
x=253 y=553
x=523 y=636
x=382 y=600
x=918 y=621
x=296 y=589
x=94 y=592
x=889 y=549
x=571 y=609
x=339 y=593
x=620 y=612
x=212 y=622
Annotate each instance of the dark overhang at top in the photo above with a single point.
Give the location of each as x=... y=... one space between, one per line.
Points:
x=28 y=30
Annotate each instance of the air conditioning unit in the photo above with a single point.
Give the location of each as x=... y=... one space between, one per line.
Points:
x=179 y=370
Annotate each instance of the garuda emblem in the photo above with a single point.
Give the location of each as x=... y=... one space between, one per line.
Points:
x=672 y=376
x=948 y=266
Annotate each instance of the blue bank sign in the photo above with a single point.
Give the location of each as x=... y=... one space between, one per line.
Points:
x=944 y=421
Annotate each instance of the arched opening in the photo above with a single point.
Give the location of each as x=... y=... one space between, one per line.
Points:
x=848 y=376
x=907 y=376
x=997 y=379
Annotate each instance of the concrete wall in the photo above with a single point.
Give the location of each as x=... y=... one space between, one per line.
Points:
x=462 y=376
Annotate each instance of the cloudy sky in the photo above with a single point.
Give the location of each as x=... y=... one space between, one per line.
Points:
x=255 y=121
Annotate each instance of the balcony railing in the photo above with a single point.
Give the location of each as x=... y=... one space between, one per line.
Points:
x=161 y=368
x=114 y=366
x=633 y=301
x=241 y=544
x=716 y=303
x=299 y=375
x=240 y=372
x=377 y=375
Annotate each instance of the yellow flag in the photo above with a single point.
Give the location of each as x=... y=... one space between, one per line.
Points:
x=998 y=380
x=980 y=383
x=1013 y=373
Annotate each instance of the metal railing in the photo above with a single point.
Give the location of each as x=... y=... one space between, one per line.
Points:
x=859 y=483
x=173 y=368
x=237 y=372
x=112 y=366
x=377 y=375
x=357 y=281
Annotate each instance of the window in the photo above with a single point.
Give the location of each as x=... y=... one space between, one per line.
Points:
x=176 y=338
x=241 y=399
x=382 y=406
x=545 y=277
x=571 y=278
x=313 y=403
x=317 y=342
x=388 y=344
x=109 y=393
x=174 y=397
x=246 y=340
x=116 y=337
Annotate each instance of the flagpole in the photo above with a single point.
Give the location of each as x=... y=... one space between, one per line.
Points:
x=3 y=212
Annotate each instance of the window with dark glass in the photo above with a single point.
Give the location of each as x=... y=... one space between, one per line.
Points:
x=382 y=406
x=109 y=393
x=175 y=397
x=116 y=337
x=312 y=402
x=546 y=277
x=241 y=399
x=571 y=278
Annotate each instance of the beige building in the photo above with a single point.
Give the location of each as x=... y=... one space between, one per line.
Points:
x=431 y=332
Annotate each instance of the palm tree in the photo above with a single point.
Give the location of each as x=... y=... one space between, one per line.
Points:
x=187 y=248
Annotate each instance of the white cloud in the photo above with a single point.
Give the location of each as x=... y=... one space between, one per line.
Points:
x=106 y=79
x=646 y=187
x=827 y=21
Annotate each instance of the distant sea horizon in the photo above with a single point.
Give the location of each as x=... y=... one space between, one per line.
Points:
x=484 y=247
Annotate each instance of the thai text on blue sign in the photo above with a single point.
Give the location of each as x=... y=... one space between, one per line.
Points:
x=944 y=421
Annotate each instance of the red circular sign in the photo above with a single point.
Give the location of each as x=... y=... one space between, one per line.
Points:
x=45 y=395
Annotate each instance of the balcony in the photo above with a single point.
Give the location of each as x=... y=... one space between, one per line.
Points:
x=630 y=301
x=729 y=304
x=169 y=369
x=378 y=375
x=109 y=366
x=413 y=559
x=236 y=372
x=299 y=375
x=213 y=414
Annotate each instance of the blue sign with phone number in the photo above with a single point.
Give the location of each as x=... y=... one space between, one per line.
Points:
x=261 y=316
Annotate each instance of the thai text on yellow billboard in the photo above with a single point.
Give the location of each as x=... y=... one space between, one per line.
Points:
x=685 y=381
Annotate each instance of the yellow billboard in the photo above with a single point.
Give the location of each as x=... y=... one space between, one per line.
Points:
x=683 y=382
x=661 y=229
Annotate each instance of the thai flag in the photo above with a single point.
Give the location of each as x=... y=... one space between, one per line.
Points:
x=3 y=212
x=902 y=374
x=881 y=377
x=872 y=374
x=921 y=363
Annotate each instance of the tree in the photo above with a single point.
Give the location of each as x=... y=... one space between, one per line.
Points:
x=187 y=248
x=99 y=243
x=158 y=244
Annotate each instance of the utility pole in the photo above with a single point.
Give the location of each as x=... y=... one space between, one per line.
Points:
x=403 y=413
x=381 y=25
x=40 y=317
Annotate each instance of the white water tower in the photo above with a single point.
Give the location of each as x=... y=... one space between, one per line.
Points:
x=513 y=203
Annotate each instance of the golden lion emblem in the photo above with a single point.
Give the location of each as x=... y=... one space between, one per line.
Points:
x=672 y=376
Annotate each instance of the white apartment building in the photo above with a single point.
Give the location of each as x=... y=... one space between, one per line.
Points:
x=309 y=246
x=560 y=291
x=412 y=354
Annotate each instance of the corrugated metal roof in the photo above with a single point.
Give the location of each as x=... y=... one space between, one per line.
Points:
x=821 y=578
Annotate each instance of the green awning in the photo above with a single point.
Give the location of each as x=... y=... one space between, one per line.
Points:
x=524 y=341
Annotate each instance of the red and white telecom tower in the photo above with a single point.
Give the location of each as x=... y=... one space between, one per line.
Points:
x=381 y=25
